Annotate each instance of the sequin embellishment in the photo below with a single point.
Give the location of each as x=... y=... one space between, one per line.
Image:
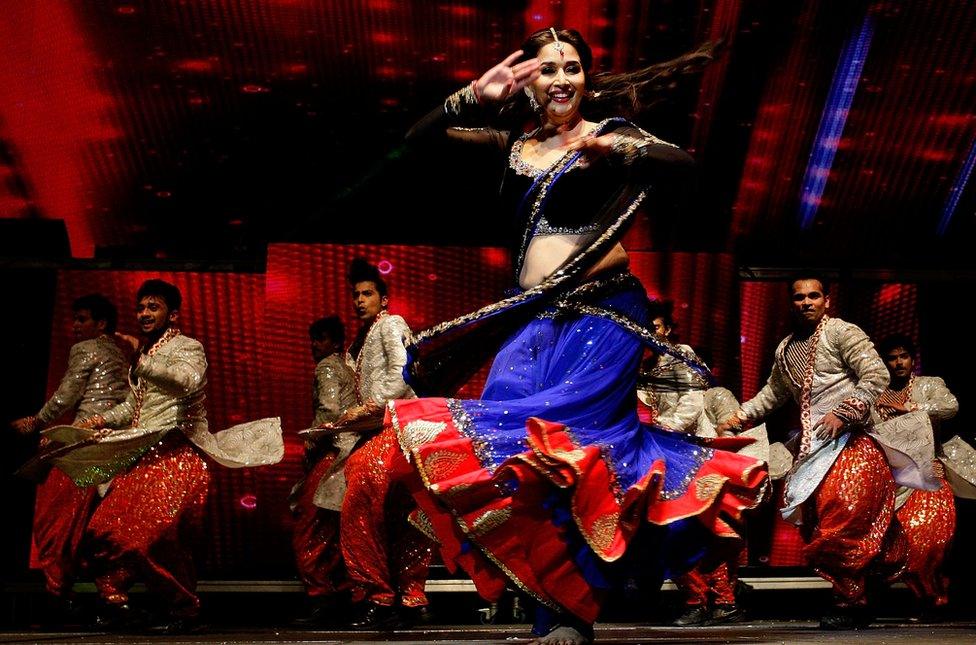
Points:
x=708 y=487
x=490 y=520
x=442 y=463
x=417 y=433
x=603 y=530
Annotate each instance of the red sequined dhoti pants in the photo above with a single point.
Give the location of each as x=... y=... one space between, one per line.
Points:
x=385 y=556
x=698 y=585
x=315 y=538
x=928 y=520
x=848 y=523
x=61 y=512
x=145 y=526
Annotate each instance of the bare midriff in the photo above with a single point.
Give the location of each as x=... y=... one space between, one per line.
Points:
x=546 y=253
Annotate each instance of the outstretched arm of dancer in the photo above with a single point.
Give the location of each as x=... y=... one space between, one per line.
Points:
x=775 y=393
x=633 y=148
x=474 y=103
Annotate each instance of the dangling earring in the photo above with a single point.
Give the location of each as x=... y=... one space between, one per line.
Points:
x=533 y=103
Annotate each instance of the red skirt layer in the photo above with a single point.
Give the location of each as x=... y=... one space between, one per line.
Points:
x=501 y=514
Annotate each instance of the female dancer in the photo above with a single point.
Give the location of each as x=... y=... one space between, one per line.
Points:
x=549 y=481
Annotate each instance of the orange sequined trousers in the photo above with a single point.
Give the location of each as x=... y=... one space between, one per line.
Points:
x=60 y=515
x=698 y=585
x=848 y=522
x=145 y=527
x=385 y=556
x=928 y=520
x=315 y=538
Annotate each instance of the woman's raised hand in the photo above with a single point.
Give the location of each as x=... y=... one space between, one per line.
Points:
x=505 y=79
x=592 y=146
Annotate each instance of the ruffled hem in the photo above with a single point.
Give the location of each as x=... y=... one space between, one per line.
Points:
x=495 y=527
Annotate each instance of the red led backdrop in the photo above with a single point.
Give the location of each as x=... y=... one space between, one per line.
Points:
x=248 y=121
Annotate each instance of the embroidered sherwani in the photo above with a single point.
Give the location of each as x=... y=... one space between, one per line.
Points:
x=927 y=518
x=841 y=490
x=316 y=533
x=93 y=382
x=386 y=558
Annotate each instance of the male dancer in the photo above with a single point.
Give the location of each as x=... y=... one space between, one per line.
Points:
x=928 y=518
x=710 y=596
x=681 y=401
x=841 y=489
x=316 y=533
x=387 y=559
x=145 y=526
x=672 y=390
x=93 y=382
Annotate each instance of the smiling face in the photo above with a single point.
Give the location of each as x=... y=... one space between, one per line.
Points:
x=560 y=86
x=154 y=316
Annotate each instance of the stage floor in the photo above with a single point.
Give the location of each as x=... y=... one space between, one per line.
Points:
x=746 y=632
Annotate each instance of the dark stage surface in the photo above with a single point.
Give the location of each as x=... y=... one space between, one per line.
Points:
x=754 y=632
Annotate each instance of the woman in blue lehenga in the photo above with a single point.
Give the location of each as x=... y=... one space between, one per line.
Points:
x=549 y=481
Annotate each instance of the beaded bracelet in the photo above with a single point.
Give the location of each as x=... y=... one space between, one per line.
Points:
x=628 y=149
x=456 y=104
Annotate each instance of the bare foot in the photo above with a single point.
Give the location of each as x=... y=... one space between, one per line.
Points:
x=562 y=636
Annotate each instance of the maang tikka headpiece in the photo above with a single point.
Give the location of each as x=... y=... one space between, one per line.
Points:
x=559 y=44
